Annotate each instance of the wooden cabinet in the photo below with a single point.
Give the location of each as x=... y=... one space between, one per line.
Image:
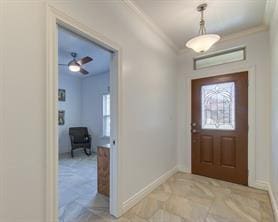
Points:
x=103 y=169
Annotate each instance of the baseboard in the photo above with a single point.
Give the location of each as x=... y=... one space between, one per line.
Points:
x=147 y=190
x=273 y=202
x=183 y=169
x=258 y=184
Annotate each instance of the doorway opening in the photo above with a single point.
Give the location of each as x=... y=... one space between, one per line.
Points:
x=84 y=126
x=219 y=127
x=56 y=18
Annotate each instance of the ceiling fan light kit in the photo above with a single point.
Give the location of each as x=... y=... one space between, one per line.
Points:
x=203 y=41
x=76 y=65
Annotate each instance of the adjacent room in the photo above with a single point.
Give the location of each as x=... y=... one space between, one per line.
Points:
x=84 y=125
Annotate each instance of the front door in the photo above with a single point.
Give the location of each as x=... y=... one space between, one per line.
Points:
x=219 y=127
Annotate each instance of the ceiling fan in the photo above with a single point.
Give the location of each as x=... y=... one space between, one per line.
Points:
x=76 y=65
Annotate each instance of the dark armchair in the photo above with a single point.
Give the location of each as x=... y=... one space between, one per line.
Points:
x=80 y=139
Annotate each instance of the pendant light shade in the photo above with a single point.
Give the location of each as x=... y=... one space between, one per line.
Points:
x=204 y=41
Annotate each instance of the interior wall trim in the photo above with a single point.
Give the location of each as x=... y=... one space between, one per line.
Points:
x=273 y=201
x=258 y=184
x=132 y=201
x=148 y=21
x=184 y=169
x=55 y=18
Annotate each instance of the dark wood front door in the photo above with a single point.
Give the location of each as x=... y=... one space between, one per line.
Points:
x=219 y=127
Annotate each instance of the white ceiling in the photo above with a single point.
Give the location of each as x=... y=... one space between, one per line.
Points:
x=70 y=42
x=179 y=20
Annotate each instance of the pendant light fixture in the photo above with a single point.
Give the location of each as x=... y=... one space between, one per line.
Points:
x=204 y=41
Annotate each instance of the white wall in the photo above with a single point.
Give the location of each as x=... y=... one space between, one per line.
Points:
x=274 y=102
x=148 y=104
x=72 y=107
x=93 y=87
x=257 y=58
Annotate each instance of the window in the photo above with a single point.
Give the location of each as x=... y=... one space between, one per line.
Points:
x=218 y=106
x=106 y=115
x=228 y=56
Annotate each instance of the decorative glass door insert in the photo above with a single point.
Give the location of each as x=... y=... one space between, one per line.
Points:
x=218 y=106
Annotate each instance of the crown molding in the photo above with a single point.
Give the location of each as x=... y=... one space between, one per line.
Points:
x=234 y=36
x=148 y=21
x=269 y=9
x=246 y=32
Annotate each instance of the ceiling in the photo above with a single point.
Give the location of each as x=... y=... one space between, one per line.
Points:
x=179 y=20
x=70 y=42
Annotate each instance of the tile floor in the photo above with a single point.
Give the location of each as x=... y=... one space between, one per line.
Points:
x=78 y=197
x=183 y=198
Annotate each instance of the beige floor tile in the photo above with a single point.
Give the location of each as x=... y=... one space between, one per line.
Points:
x=215 y=218
x=145 y=209
x=182 y=198
x=253 y=194
x=164 y=216
x=266 y=212
x=161 y=193
x=186 y=209
x=237 y=208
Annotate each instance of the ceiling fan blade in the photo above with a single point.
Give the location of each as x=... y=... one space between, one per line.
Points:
x=84 y=60
x=83 y=71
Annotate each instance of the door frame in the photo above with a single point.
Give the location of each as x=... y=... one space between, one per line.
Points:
x=251 y=117
x=55 y=18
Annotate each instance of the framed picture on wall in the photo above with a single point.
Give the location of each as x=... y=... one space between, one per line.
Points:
x=61 y=117
x=62 y=95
